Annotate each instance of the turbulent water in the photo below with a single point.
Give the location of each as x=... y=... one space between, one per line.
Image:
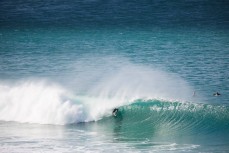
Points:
x=65 y=65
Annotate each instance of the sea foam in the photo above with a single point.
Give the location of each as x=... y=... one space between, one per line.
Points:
x=37 y=102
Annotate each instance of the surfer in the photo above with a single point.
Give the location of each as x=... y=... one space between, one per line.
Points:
x=115 y=111
x=194 y=94
x=216 y=94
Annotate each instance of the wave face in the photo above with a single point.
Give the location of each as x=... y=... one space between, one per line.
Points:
x=163 y=119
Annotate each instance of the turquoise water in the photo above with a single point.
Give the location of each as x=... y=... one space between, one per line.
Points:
x=65 y=65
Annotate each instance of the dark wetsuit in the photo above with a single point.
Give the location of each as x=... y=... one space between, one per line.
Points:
x=216 y=94
x=115 y=111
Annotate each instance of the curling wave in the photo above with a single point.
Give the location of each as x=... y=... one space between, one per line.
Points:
x=146 y=118
x=91 y=94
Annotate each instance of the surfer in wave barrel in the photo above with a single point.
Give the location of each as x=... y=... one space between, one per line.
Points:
x=115 y=111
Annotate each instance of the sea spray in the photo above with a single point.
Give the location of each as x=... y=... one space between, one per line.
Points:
x=117 y=77
x=46 y=102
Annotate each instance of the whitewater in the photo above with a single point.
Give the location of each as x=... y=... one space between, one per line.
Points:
x=65 y=65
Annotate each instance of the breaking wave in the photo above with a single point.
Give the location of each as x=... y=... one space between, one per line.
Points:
x=43 y=102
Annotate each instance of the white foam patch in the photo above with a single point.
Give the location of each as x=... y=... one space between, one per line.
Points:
x=36 y=102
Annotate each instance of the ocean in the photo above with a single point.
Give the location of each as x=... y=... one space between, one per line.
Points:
x=65 y=65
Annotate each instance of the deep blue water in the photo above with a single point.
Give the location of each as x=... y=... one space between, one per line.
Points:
x=65 y=63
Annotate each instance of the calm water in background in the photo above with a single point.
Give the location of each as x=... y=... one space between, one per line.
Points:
x=67 y=62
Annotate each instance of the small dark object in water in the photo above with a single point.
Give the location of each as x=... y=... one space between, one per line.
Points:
x=115 y=111
x=216 y=94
